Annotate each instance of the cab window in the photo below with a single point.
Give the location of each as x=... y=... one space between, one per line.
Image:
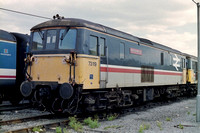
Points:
x=37 y=40
x=54 y=39
x=51 y=39
x=67 y=39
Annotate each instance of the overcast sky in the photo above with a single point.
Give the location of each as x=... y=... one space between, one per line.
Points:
x=169 y=22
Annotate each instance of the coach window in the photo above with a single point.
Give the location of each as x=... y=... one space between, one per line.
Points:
x=51 y=39
x=67 y=39
x=162 y=58
x=93 y=45
x=37 y=41
x=122 y=45
x=102 y=46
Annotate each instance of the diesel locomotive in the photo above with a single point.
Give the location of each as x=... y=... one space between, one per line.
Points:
x=74 y=64
x=13 y=48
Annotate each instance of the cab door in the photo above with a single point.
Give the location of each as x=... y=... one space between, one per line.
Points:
x=190 y=72
x=103 y=53
x=184 y=76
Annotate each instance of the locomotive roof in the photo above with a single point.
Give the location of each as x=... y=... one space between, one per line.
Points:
x=73 y=22
x=4 y=35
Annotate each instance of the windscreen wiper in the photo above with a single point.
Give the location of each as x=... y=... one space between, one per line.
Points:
x=41 y=34
x=64 y=34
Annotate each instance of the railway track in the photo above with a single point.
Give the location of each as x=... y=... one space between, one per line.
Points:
x=14 y=107
x=44 y=127
x=32 y=118
x=7 y=106
x=53 y=121
x=22 y=124
x=50 y=127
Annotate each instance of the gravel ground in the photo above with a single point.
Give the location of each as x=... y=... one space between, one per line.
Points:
x=160 y=119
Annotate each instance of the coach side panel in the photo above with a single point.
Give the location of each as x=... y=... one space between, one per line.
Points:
x=7 y=63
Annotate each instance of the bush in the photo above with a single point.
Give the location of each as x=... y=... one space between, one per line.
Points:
x=91 y=123
x=37 y=129
x=112 y=117
x=77 y=126
x=59 y=130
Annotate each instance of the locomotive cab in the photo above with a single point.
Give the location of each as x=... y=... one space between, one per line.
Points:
x=55 y=39
x=191 y=70
x=57 y=67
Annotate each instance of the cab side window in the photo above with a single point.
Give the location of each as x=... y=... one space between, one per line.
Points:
x=93 y=45
x=102 y=46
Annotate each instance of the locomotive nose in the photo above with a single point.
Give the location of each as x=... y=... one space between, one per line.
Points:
x=26 y=88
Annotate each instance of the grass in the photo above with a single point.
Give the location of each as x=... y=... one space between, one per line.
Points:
x=91 y=123
x=73 y=123
x=112 y=117
x=37 y=129
x=143 y=127
x=60 y=130
x=146 y=127
x=188 y=113
x=105 y=128
x=159 y=124
x=180 y=126
x=77 y=126
x=96 y=117
x=168 y=119
x=104 y=115
x=88 y=120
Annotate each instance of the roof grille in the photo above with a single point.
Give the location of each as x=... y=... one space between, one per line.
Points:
x=146 y=41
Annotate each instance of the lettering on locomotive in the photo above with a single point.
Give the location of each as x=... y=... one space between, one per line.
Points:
x=91 y=63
